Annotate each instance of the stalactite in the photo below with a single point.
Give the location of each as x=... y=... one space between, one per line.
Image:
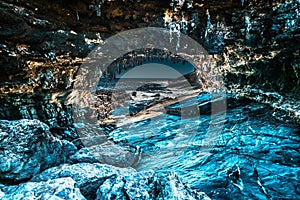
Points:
x=247 y=26
x=183 y=23
x=208 y=25
x=176 y=21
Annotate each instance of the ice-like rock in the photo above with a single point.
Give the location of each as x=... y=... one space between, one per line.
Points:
x=61 y=188
x=27 y=147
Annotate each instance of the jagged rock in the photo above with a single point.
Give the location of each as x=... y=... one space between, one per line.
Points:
x=41 y=45
x=255 y=43
x=83 y=156
x=1 y=193
x=27 y=147
x=255 y=156
x=61 y=188
x=200 y=105
x=147 y=185
x=261 y=42
x=238 y=176
x=120 y=182
x=88 y=176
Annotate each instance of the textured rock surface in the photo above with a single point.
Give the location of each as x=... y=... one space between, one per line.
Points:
x=88 y=177
x=147 y=185
x=40 y=54
x=83 y=155
x=1 y=193
x=256 y=43
x=106 y=182
x=264 y=51
x=61 y=188
x=27 y=147
x=255 y=156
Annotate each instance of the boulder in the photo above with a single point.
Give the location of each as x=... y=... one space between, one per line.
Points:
x=101 y=181
x=88 y=176
x=27 y=147
x=147 y=185
x=62 y=188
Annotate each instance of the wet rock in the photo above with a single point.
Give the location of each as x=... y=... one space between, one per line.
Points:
x=88 y=177
x=286 y=108
x=252 y=36
x=255 y=157
x=27 y=147
x=61 y=188
x=147 y=185
x=193 y=106
x=239 y=176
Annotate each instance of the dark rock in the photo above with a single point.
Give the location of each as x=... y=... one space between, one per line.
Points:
x=202 y=104
x=147 y=185
x=52 y=47
x=61 y=188
x=27 y=147
x=13 y=25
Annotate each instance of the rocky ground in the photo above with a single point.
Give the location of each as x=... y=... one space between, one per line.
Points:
x=37 y=165
x=45 y=155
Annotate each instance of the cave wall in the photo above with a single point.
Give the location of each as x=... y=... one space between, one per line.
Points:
x=43 y=43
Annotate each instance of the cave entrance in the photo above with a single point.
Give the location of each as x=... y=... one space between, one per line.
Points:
x=148 y=64
x=158 y=70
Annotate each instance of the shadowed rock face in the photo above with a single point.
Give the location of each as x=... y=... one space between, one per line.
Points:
x=43 y=43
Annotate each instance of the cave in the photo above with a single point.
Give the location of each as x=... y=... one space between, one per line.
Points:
x=149 y=99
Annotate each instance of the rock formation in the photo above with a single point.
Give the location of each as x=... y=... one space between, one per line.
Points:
x=256 y=156
x=27 y=148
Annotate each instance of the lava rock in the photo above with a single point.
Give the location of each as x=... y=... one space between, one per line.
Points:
x=62 y=188
x=147 y=185
x=27 y=147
